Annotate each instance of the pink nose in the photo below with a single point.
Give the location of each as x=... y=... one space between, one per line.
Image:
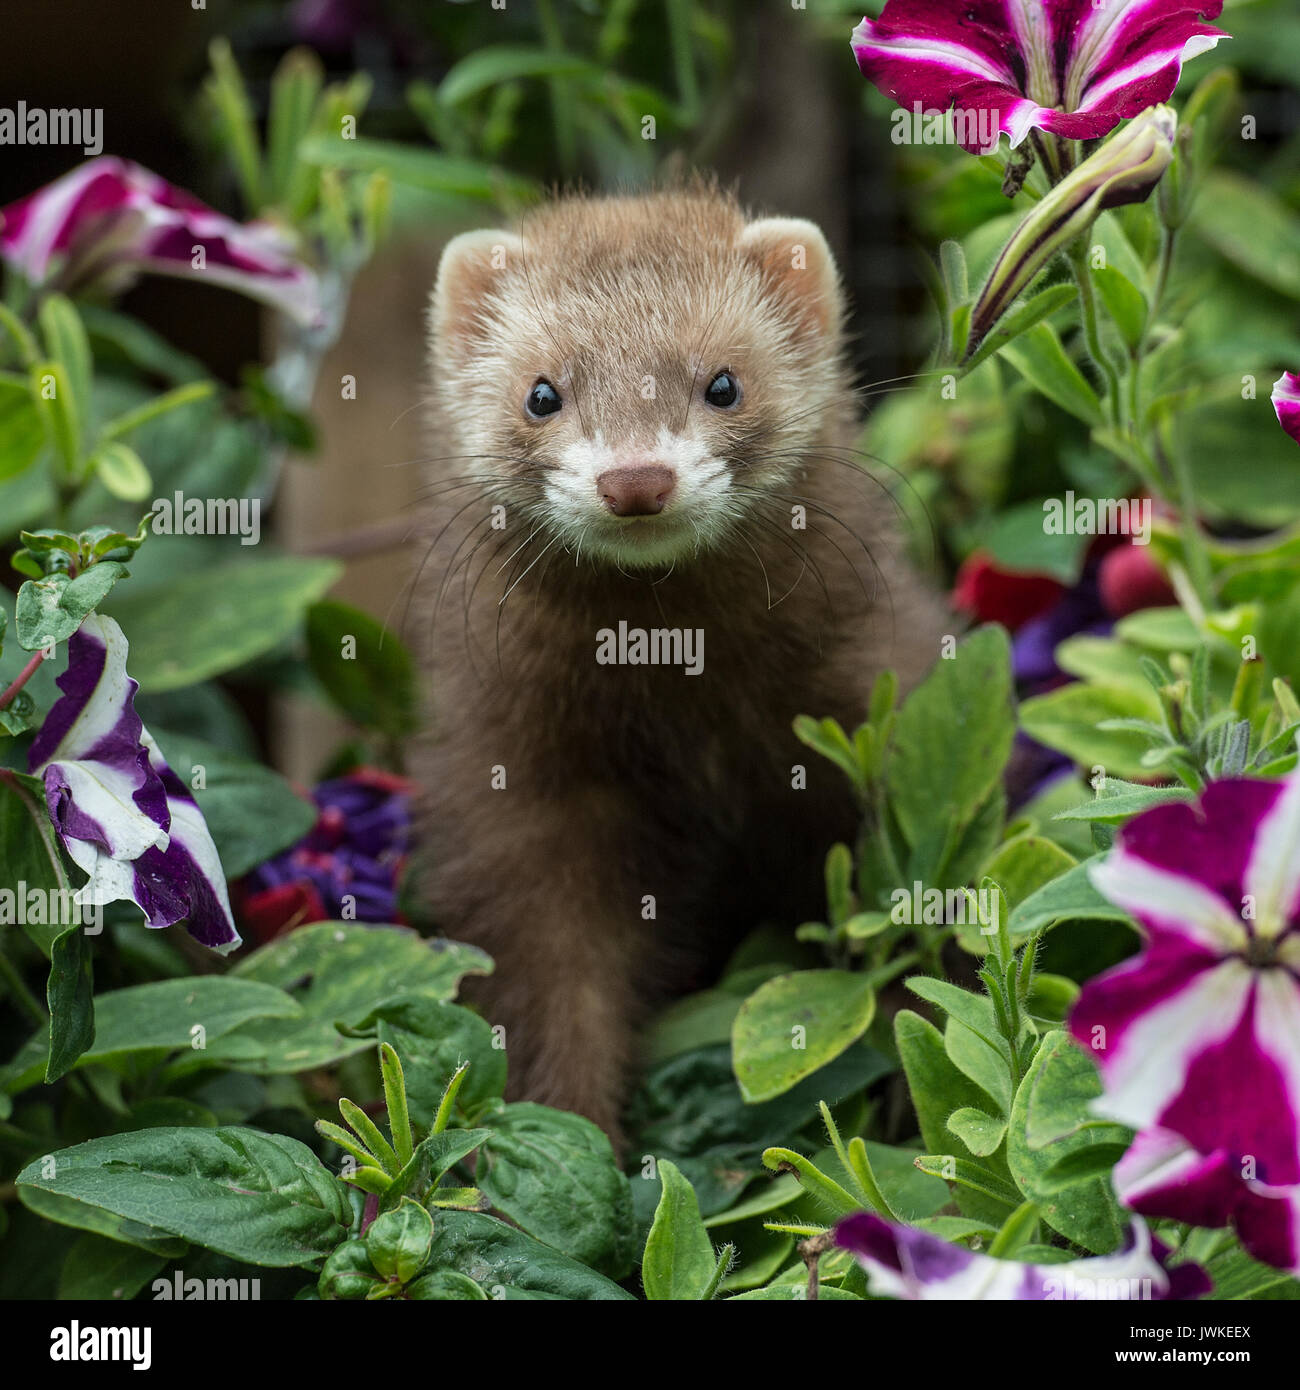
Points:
x=640 y=490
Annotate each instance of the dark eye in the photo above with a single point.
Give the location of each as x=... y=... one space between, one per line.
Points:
x=542 y=400
x=723 y=391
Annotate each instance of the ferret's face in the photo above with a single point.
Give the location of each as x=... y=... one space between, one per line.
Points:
x=638 y=380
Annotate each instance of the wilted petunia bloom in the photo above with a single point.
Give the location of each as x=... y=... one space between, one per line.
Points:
x=346 y=867
x=1075 y=68
x=123 y=815
x=1198 y=1036
x=1286 y=402
x=108 y=220
x=902 y=1262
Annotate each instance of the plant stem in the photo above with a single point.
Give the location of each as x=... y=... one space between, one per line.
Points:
x=20 y=680
x=1091 y=332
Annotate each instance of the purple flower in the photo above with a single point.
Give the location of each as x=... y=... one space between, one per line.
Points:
x=905 y=1263
x=1073 y=67
x=346 y=867
x=124 y=817
x=109 y=220
x=1286 y=401
x=1198 y=1036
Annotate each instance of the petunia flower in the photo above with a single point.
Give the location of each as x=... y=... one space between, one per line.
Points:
x=1198 y=1036
x=902 y=1262
x=345 y=868
x=1286 y=402
x=1075 y=68
x=123 y=815
x=108 y=220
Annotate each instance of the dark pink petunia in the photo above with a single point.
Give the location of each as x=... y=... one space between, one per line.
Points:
x=1198 y=1036
x=1286 y=402
x=1073 y=67
x=108 y=220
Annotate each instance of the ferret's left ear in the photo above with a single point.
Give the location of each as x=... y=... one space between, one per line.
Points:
x=471 y=267
x=798 y=265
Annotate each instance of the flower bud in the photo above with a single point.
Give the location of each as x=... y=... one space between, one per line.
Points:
x=1124 y=170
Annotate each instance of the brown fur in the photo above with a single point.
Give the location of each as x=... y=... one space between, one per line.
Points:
x=631 y=782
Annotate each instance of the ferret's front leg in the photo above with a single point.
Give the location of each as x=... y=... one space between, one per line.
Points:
x=538 y=881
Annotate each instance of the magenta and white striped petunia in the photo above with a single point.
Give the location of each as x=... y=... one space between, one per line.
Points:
x=1198 y=1036
x=124 y=817
x=902 y=1262
x=1286 y=402
x=1073 y=67
x=108 y=220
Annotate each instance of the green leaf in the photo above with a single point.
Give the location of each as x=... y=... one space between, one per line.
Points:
x=201 y=624
x=430 y=1163
x=953 y=736
x=1118 y=805
x=252 y=812
x=507 y=1264
x=679 y=1261
x=32 y=855
x=1050 y=1121
x=58 y=410
x=161 y=1016
x=70 y=998
x=398 y=1241
x=347 y=1273
x=261 y=1198
x=22 y=433
x=1070 y=896
x=122 y=471
x=796 y=1023
x=1020 y=318
x=1039 y=357
x=554 y=1175
x=980 y=1132
x=53 y=608
x=66 y=342
x=420 y=168
x=1251 y=227
x=337 y=971
x=432 y=1038
x=364 y=668
x=1124 y=302
x=938 y=1088
x=445 y=1286
x=106 y=1270
x=1019 y=541
x=1067 y=719
x=497 y=63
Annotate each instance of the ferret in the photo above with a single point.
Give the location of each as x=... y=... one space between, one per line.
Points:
x=651 y=548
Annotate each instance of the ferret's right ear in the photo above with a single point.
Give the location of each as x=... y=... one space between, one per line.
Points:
x=799 y=269
x=472 y=265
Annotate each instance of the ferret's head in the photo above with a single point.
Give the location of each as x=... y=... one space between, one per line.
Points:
x=637 y=377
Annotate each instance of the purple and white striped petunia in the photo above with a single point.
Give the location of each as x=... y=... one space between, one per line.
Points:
x=108 y=220
x=124 y=817
x=1286 y=402
x=1198 y=1036
x=902 y=1262
x=1073 y=67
